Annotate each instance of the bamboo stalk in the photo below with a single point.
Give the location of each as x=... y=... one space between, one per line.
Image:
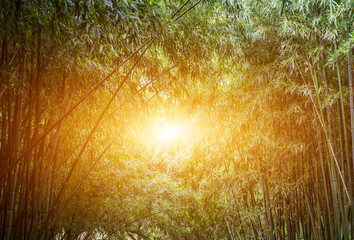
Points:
x=37 y=120
x=13 y=174
x=351 y=95
x=344 y=128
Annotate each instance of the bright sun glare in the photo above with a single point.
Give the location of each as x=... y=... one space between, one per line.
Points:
x=169 y=132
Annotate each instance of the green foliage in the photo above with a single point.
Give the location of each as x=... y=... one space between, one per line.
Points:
x=260 y=87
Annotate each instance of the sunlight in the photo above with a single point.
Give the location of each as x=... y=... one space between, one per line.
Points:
x=169 y=132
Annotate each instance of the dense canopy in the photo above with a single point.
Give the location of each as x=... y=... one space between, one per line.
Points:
x=170 y=119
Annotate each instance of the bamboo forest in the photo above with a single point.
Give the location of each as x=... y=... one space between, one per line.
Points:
x=176 y=119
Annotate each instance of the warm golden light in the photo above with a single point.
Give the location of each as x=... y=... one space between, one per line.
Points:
x=169 y=132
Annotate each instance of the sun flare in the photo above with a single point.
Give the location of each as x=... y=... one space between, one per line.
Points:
x=169 y=132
